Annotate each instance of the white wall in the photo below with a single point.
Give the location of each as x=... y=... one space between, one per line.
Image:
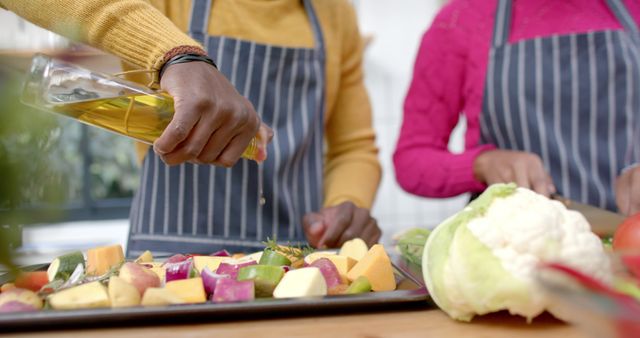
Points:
x=397 y=28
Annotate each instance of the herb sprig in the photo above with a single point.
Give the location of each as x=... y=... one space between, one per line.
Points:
x=291 y=250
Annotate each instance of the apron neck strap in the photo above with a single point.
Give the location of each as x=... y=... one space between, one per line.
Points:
x=502 y=24
x=201 y=9
x=199 y=23
x=622 y=14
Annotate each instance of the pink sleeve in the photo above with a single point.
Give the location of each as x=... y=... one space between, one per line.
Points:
x=423 y=164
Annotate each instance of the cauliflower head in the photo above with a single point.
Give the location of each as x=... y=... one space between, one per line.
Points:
x=483 y=259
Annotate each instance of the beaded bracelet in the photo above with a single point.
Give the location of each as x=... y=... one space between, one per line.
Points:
x=182 y=58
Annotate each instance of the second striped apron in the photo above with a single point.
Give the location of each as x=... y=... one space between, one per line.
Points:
x=201 y=208
x=572 y=99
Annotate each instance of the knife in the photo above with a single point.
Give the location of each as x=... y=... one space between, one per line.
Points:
x=603 y=222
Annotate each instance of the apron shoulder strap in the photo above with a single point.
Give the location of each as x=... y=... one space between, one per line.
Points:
x=626 y=20
x=199 y=23
x=502 y=23
x=315 y=25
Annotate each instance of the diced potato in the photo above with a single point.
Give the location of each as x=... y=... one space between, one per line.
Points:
x=122 y=294
x=304 y=282
x=90 y=295
x=160 y=297
x=355 y=248
x=145 y=257
x=211 y=262
x=189 y=290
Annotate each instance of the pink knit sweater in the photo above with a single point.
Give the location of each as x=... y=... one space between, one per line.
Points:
x=449 y=76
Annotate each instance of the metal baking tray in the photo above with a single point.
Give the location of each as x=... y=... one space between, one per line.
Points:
x=410 y=293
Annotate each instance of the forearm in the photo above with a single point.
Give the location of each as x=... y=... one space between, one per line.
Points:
x=432 y=172
x=130 y=29
x=355 y=178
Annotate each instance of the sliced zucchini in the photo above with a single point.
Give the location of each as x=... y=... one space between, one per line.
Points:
x=63 y=266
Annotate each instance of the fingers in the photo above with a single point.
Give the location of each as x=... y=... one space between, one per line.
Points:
x=237 y=146
x=622 y=193
x=541 y=182
x=178 y=129
x=314 y=228
x=192 y=147
x=359 y=222
x=628 y=191
x=212 y=123
x=524 y=169
x=265 y=135
x=371 y=233
x=338 y=219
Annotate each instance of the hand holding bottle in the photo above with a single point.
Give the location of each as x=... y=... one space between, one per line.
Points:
x=213 y=123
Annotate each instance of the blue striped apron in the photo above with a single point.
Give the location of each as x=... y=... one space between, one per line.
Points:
x=201 y=208
x=572 y=99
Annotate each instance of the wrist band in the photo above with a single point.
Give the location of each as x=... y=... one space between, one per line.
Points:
x=182 y=58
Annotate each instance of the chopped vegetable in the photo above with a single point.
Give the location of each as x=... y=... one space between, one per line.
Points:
x=342 y=263
x=231 y=268
x=139 y=276
x=221 y=253
x=189 y=290
x=176 y=258
x=355 y=248
x=90 y=295
x=210 y=279
x=210 y=262
x=305 y=282
x=265 y=278
x=230 y=290
x=6 y=287
x=101 y=260
x=63 y=266
x=160 y=297
x=376 y=266
x=24 y=296
x=32 y=280
x=270 y=257
x=145 y=257
x=178 y=270
x=329 y=272
x=122 y=294
x=16 y=306
x=360 y=285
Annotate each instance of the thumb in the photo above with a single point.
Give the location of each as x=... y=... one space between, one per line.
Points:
x=314 y=228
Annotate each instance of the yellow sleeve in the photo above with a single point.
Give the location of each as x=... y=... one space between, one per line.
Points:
x=130 y=29
x=352 y=170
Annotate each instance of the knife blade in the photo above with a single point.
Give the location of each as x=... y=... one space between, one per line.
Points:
x=603 y=222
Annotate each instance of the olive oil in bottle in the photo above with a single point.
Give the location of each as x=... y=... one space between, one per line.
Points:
x=111 y=103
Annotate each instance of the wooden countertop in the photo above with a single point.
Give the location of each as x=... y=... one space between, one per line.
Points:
x=410 y=323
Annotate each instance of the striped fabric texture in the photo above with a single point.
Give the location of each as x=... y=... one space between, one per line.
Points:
x=201 y=208
x=572 y=99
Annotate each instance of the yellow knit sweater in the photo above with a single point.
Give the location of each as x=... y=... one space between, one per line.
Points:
x=141 y=34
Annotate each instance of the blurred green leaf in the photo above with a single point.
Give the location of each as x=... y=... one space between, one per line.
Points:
x=411 y=243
